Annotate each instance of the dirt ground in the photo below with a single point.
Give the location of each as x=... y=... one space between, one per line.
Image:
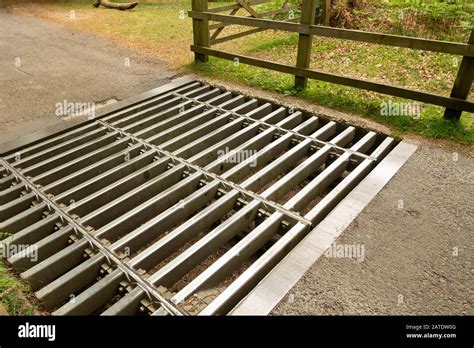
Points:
x=417 y=233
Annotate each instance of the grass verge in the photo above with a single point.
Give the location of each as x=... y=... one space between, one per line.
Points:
x=14 y=294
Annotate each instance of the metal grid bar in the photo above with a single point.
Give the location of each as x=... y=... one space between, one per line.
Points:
x=143 y=209
x=280 y=128
x=106 y=255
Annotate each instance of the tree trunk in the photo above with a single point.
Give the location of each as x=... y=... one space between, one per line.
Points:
x=122 y=7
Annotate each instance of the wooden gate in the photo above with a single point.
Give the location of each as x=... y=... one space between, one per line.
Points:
x=207 y=35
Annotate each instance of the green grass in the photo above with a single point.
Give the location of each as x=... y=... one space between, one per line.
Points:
x=433 y=19
x=13 y=294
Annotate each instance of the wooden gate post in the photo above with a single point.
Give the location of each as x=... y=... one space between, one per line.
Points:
x=200 y=30
x=326 y=12
x=308 y=14
x=463 y=83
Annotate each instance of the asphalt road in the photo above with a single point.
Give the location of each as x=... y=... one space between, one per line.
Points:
x=42 y=64
x=418 y=244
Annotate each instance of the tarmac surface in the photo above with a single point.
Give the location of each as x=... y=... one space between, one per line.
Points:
x=43 y=64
